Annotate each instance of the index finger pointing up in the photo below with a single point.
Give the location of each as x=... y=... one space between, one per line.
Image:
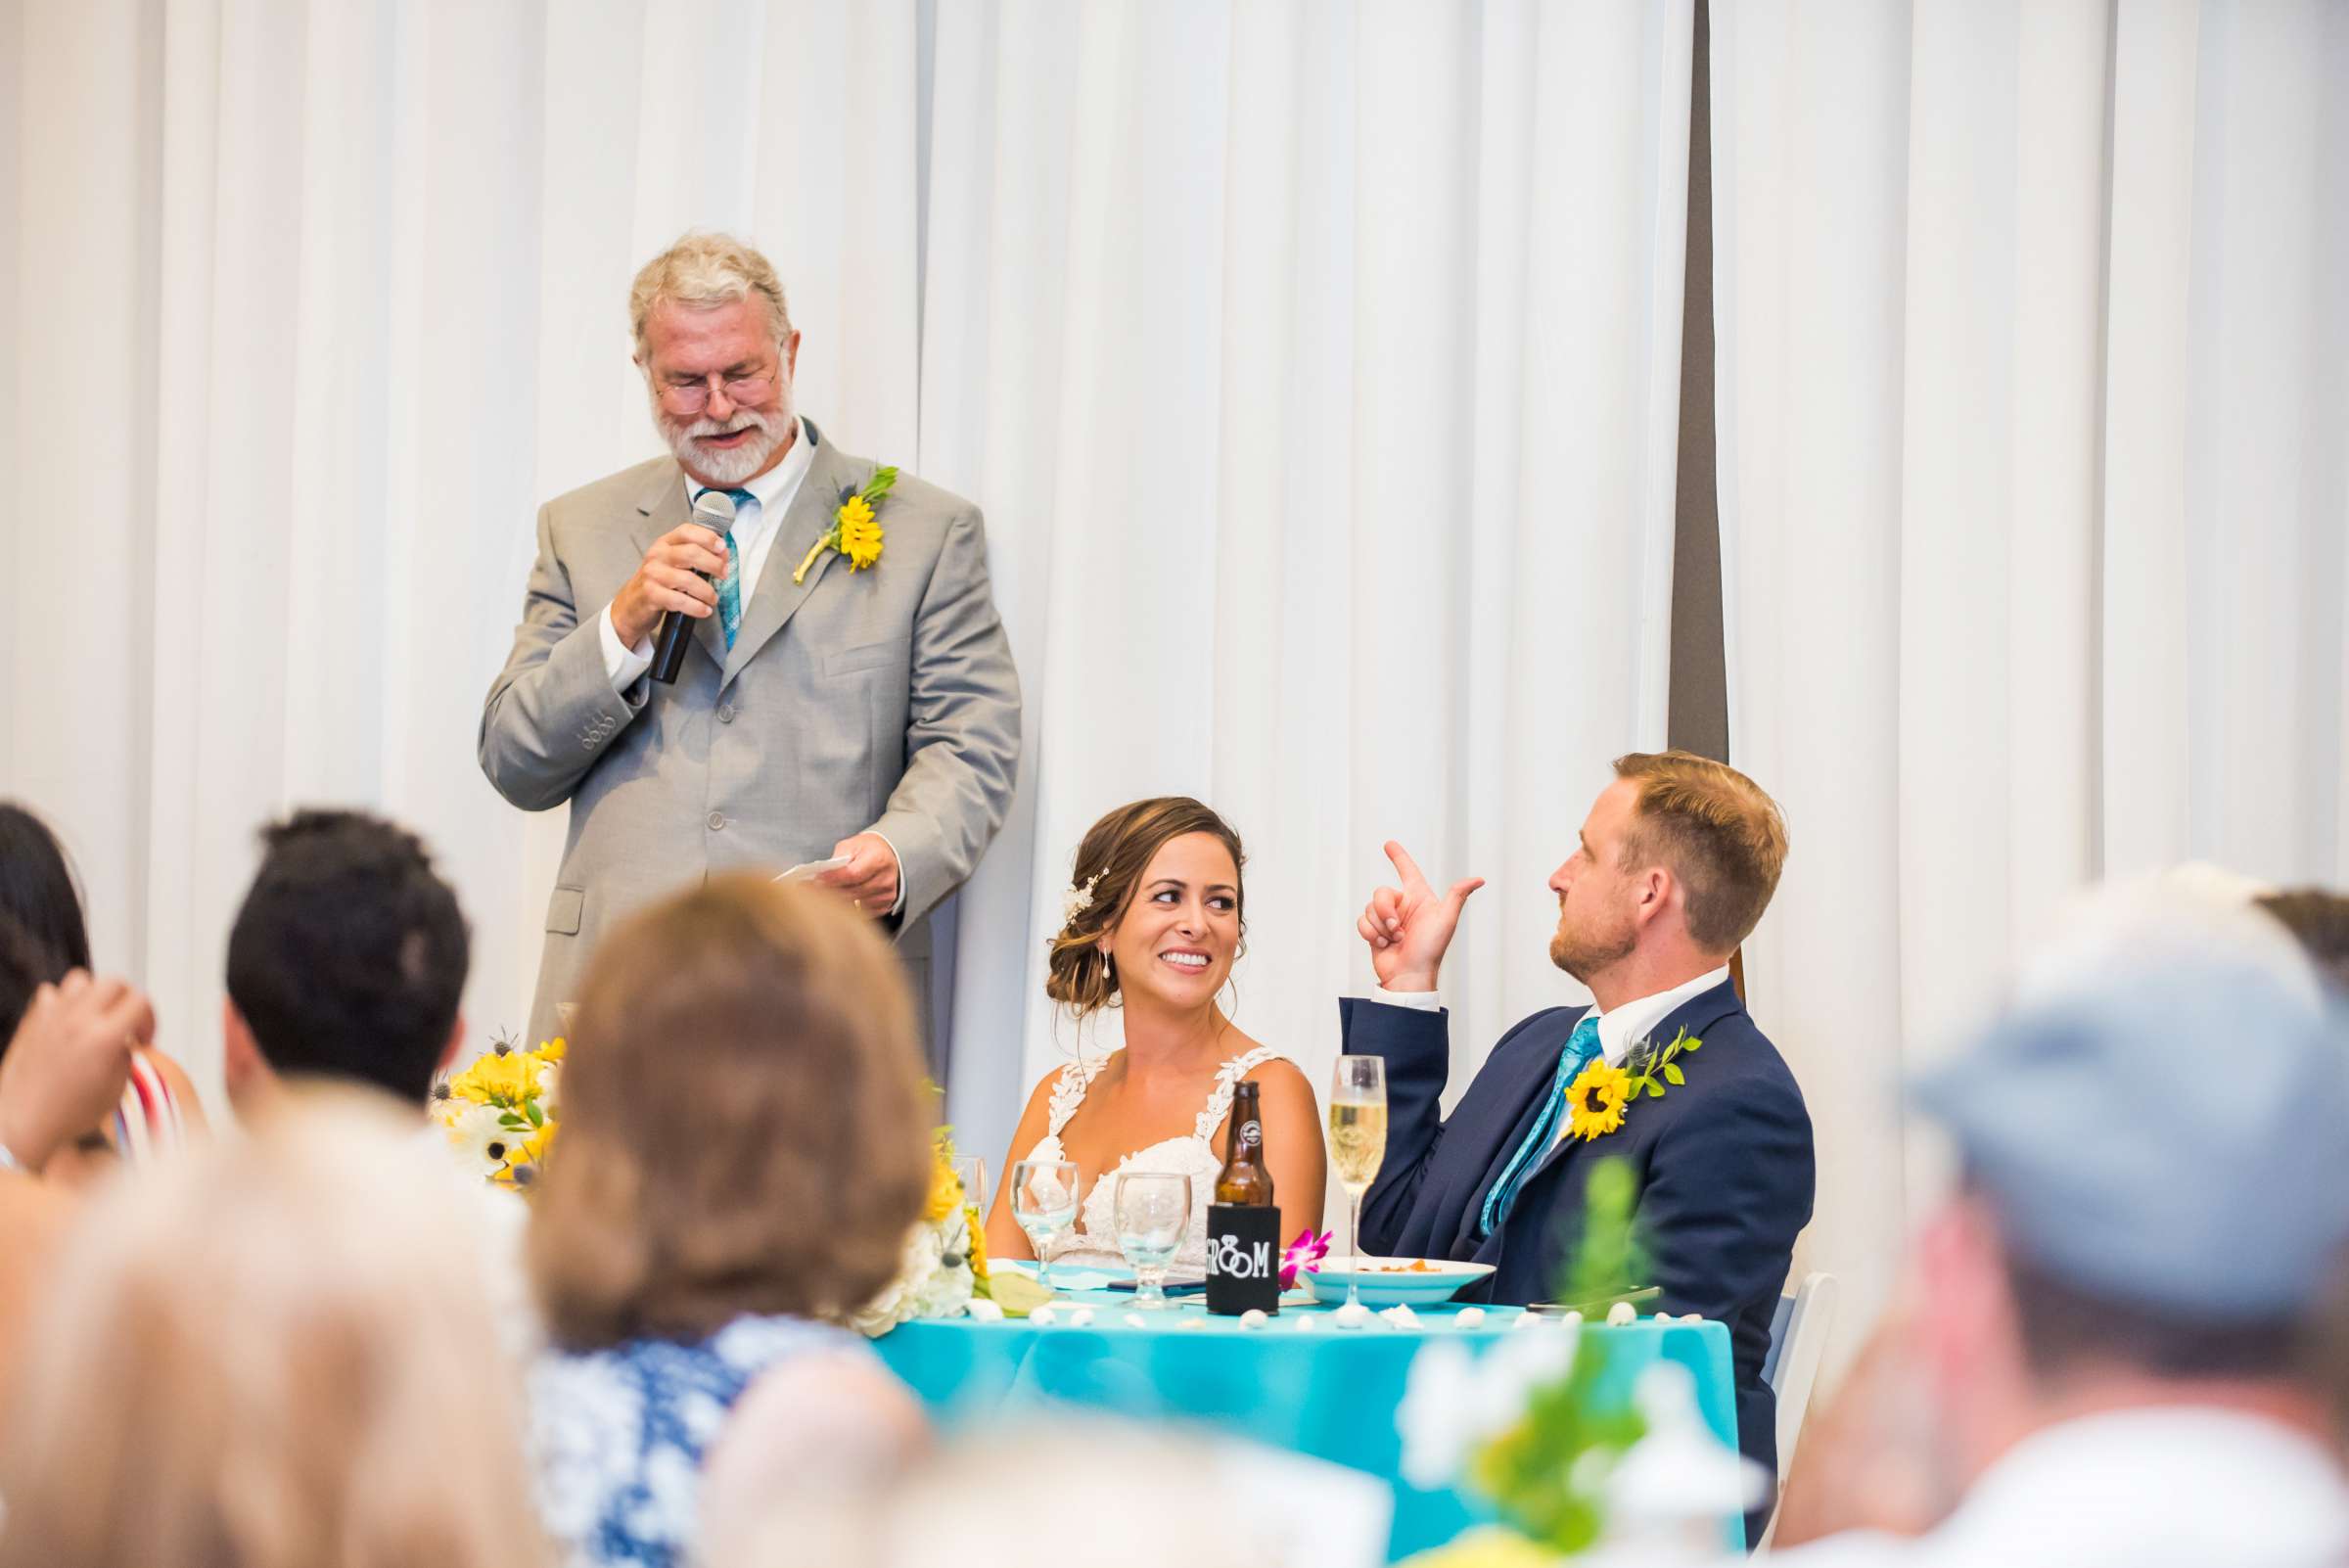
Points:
x=1404 y=867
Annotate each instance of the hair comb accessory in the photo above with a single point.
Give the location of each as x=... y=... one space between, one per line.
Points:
x=1077 y=901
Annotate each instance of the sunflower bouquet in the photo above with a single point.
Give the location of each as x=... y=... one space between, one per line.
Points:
x=944 y=1272
x=500 y=1112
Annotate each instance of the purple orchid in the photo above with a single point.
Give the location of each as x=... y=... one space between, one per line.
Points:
x=1302 y=1255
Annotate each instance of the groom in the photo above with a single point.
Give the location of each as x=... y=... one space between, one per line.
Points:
x=1678 y=861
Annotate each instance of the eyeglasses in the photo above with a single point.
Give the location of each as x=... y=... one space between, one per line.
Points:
x=691 y=397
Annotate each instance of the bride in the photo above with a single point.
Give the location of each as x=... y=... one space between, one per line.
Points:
x=1154 y=922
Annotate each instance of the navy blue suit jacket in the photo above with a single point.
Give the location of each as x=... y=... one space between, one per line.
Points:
x=1724 y=1162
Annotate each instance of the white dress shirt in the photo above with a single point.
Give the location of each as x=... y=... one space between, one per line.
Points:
x=756 y=524
x=1618 y=1031
x=2178 y=1486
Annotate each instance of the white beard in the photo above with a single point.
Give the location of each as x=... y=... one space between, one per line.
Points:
x=725 y=466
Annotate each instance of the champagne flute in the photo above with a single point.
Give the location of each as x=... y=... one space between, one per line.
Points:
x=1153 y=1216
x=1043 y=1200
x=1358 y=1143
x=971 y=1171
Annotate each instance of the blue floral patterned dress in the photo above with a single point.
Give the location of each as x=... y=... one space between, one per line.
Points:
x=619 y=1434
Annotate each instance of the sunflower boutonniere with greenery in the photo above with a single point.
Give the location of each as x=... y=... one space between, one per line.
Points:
x=855 y=530
x=1598 y=1098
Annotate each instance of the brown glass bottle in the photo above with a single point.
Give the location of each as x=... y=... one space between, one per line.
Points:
x=1243 y=1227
x=1245 y=1178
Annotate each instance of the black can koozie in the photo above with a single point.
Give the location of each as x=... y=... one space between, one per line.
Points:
x=1243 y=1257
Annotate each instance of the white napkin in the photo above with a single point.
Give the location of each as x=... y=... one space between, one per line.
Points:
x=808 y=870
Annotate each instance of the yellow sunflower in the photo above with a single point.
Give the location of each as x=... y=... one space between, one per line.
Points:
x=1594 y=1101
x=859 y=534
x=945 y=1190
x=1490 y=1546
x=505 y=1080
x=970 y=1218
x=525 y=1158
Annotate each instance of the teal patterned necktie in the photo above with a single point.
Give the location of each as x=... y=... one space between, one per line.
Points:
x=729 y=586
x=1580 y=1046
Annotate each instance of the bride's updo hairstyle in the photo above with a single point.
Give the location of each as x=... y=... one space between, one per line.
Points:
x=1110 y=864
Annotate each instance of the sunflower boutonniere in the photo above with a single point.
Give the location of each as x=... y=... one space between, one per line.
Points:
x=855 y=530
x=1600 y=1095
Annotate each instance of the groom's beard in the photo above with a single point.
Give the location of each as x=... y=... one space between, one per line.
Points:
x=725 y=465
x=1583 y=953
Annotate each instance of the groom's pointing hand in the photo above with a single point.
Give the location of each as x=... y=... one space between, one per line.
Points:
x=1409 y=927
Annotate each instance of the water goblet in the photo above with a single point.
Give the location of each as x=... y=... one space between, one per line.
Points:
x=1153 y=1216
x=1358 y=1143
x=1043 y=1201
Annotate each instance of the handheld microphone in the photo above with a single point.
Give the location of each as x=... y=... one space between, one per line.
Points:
x=715 y=511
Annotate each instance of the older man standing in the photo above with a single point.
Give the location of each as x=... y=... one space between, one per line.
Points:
x=847 y=693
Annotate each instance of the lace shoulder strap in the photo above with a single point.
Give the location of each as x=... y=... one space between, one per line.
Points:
x=1068 y=1093
x=1218 y=1100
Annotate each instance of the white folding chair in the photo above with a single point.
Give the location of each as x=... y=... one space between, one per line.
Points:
x=1798 y=1339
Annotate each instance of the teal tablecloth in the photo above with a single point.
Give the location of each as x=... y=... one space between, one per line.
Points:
x=1329 y=1392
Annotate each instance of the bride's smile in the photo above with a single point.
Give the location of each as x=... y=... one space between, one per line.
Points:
x=1175 y=946
x=1154 y=923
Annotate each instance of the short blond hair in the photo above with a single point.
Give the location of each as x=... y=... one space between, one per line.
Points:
x=745 y=1128
x=273 y=1353
x=1722 y=836
x=703 y=270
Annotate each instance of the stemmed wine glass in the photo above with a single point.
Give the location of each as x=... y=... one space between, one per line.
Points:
x=1043 y=1200
x=971 y=1171
x=1358 y=1143
x=1153 y=1214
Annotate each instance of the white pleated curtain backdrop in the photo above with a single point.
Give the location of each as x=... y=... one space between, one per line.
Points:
x=2033 y=425
x=1318 y=365
x=313 y=306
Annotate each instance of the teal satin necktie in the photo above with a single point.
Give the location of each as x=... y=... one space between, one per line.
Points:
x=729 y=586
x=1580 y=1046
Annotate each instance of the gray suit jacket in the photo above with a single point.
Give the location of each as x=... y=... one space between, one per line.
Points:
x=883 y=699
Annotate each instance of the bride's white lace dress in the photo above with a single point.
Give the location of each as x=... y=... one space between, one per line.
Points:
x=1093 y=1240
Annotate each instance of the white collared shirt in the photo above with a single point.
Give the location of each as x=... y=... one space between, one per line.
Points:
x=2178 y=1486
x=756 y=524
x=1618 y=1031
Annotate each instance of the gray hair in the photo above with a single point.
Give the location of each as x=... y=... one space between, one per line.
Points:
x=703 y=270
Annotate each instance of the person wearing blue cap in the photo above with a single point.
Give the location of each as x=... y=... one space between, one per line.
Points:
x=2105 y=1351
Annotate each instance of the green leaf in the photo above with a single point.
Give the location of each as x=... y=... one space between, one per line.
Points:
x=1655 y=1091
x=1674 y=1076
x=509 y=1119
x=536 y=1116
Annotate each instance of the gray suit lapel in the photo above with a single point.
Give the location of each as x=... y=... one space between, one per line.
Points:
x=662 y=510
x=776 y=598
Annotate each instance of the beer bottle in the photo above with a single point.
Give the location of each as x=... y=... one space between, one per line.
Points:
x=1243 y=1227
x=1244 y=1177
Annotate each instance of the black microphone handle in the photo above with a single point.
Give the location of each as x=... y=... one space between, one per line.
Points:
x=715 y=513
x=668 y=653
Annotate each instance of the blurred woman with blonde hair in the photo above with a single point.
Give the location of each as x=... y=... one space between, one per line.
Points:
x=274 y=1353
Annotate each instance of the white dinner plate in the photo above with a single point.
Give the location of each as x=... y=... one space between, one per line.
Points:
x=1393 y=1281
